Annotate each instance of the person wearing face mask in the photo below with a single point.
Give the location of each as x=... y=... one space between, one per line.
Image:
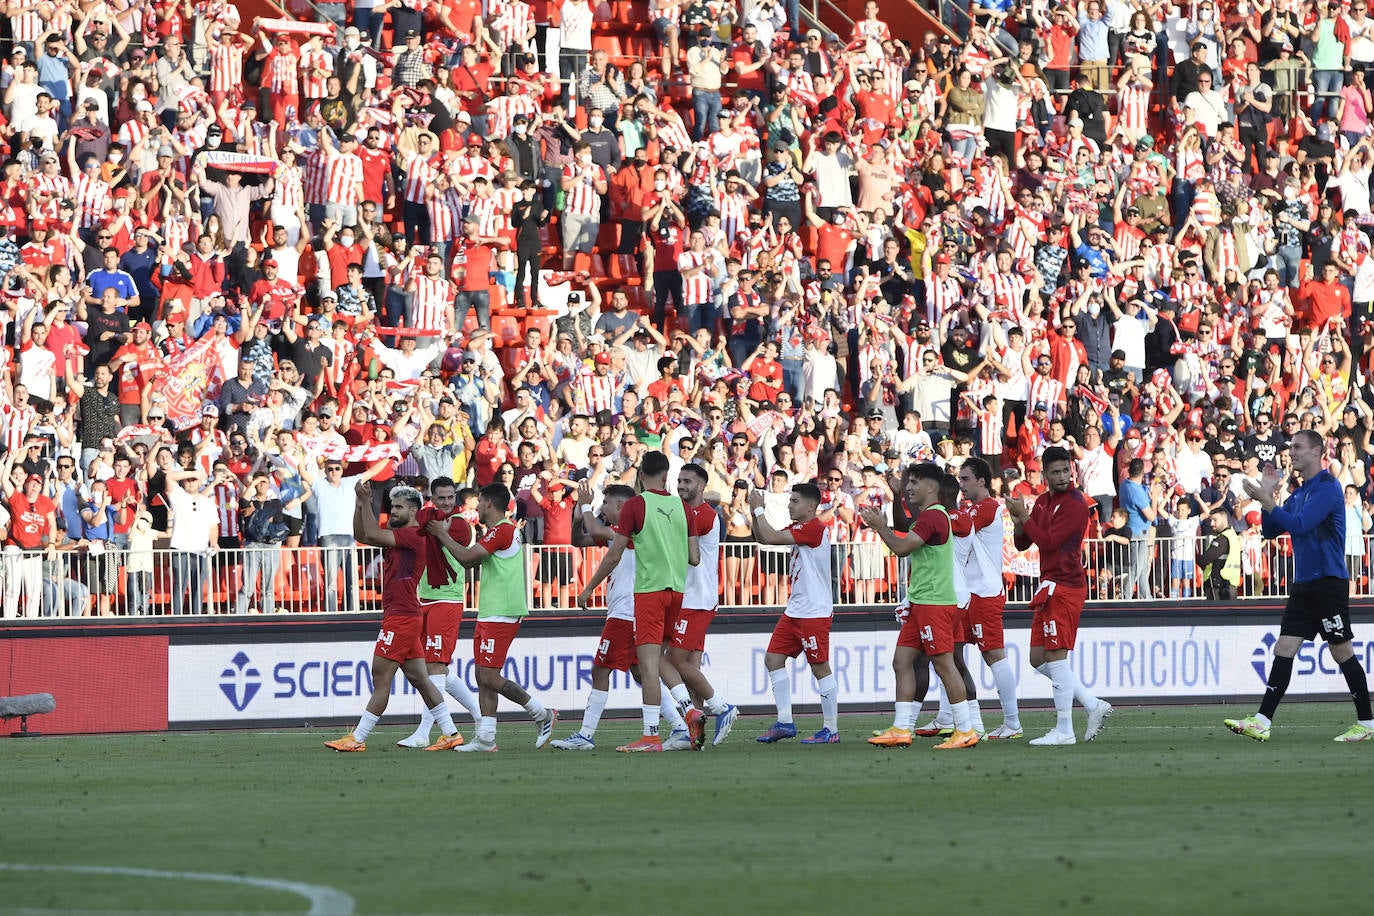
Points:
x=706 y=66
x=524 y=150
x=527 y=216
x=629 y=186
x=604 y=143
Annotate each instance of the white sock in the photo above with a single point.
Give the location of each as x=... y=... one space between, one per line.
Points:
x=365 y=726
x=441 y=715
x=596 y=705
x=1005 y=676
x=486 y=728
x=1080 y=693
x=830 y=702
x=1058 y=672
x=904 y=715
x=714 y=705
x=681 y=697
x=535 y=708
x=650 y=721
x=944 y=716
x=975 y=716
x=426 y=726
x=1260 y=717
x=457 y=688
x=782 y=694
x=668 y=709
x=961 y=717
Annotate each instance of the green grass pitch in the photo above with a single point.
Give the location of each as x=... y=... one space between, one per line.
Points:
x=1165 y=813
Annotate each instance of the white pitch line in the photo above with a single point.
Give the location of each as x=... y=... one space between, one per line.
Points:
x=324 y=901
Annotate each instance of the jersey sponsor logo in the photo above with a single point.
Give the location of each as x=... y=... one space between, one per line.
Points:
x=927 y=634
x=810 y=643
x=1050 y=628
x=604 y=647
x=240 y=682
x=488 y=646
x=681 y=626
x=1333 y=624
x=434 y=642
x=386 y=636
x=977 y=631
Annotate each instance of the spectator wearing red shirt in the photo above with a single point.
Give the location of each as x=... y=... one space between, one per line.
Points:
x=136 y=365
x=1327 y=298
x=765 y=373
x=473 y=260
x=33 y=523
x=492 y=451
x=556 y=498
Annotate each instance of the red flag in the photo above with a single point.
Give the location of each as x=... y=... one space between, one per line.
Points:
x=1093 y=398
x=192 y=379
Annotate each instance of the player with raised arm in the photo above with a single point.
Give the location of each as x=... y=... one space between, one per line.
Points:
x=1319 y=599
x=399 y=644
x=1056 y=525
x=442 y=592
x=615 y=649
x=978 y=536
x=804 y=626
x=664 y=548
x=934 y=608
x=502 y=602
x=688 y=639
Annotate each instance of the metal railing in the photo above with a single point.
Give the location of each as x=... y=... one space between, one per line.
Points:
x=306 y=580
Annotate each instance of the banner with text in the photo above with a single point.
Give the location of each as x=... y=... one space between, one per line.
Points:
x=294 y=683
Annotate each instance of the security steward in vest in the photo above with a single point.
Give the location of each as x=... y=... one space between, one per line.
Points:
x=1220 y=558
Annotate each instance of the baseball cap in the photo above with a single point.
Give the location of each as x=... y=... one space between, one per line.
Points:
x=875 y=414
x=143 y=326
x=1147 y=401
x=269 y=262
x=1040 y=405
x=209 y=410
x=474 y=140
x=143 y=105
x=603 y=359
x=33 y=478
x=165 y=150
x=1032 y=464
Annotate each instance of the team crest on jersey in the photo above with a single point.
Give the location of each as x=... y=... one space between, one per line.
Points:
x=385 y=636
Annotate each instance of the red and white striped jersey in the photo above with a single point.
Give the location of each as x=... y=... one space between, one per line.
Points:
x=92 y=197
x=1048 y=390
x=1189 y=293
x=503 y=110
x=942 y=295
x=433 y=296
x=281 y=70
x=226 y=66
x=18 y=421
x=734 y=213
x=227 y=508
x=316 y=67
x=581 y=199
x=131 y=133
x=25 y=23
x=420 y=171
x=598 y=391
x=505 y=199
x=177 y=231
x=696 y=289
x=1227 y=256
x=445 y=210
x=340 y=365
x=288 y=190
x=990 y=431
x=466 y=168
x=316 y=178
x=487 y=213
x=511 y=24
x=1134 y=108
x=218 y=443
x=1206 y=210
x=672 y=132
x=345 y=174
x=1127 y=241
x=57 y=185
x=665 y=9
x=1190 y=165
x=1008 y=291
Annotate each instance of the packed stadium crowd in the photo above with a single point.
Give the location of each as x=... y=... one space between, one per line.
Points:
x=526 y=243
